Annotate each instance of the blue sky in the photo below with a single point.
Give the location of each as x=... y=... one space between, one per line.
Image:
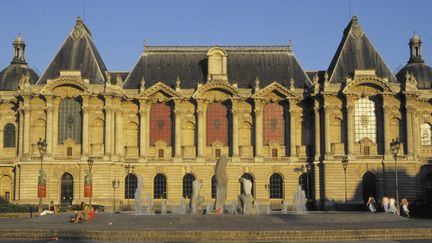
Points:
x=120 y=27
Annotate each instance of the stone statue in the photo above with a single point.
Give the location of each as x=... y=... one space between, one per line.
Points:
x=221 y=183
x=196 y=199
x=246 y=198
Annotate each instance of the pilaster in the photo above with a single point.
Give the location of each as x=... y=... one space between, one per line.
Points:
x=108 y=128
x=293 y=142
x=177 y=132
x=85 y=132
x=26 y=139
x=387 y=110
x=327 y=111
x=258 y=128
x=317 y=131
x=49 y=110
x=235 y=139
x=201 y=113
x=142 y=115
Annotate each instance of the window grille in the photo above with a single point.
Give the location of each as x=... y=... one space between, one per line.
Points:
x=70 y=121
x=274 y=123
x=9 y=136
x=276 y=186
x=160 y=187
x=130 y=186
x=365 y=120
x=160 y=123
x=217 y=123
x=213 y=187
x=187 y=185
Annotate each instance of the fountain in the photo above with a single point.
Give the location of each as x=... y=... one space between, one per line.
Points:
x=257 y=207
x=149 y=204
x=232 y=209
x=299 y=201
x=164 y=207
x=284 y=207
x=183 y=207
x=268 y=209
x=208 y=208
x=138 y=203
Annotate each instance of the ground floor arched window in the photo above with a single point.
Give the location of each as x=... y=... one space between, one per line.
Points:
x=213 y=187
x=369 y=185
x=66 y=190
x=276 y=186
x=131 y=183
x=187 y=185
x=160 y=187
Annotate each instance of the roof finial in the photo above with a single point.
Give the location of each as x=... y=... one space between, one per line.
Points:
x=290 y=43
x=19 y=48
x=142 y=87
x=292 y=83
x=415 y=49
x=145 y=45
x=178 y=83
x=257 y=81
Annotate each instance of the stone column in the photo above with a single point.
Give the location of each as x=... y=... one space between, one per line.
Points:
x=293 y=114
x=235 y=131
x=56 y=103
x=119 y=132
x=350 y=128
x=387 y=138
x=108 y=129
x=177 y=135
x=26 y=145
x=201 y=112
x=49 y=125
x=409 y=127
x=327 y=111
x=142 y=140
x=317 y=132
x=85 y=131
x=258 y=129
x=20 y=130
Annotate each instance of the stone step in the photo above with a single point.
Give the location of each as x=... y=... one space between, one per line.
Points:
x=219 y=236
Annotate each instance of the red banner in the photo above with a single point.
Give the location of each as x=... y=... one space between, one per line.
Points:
x=41 y=191
x=88 y=190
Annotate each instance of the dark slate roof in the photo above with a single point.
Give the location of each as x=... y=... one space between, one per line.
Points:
x=421 y=72
x=245 y=64
x=11 y=76
x=355 y=51
x=78 y=52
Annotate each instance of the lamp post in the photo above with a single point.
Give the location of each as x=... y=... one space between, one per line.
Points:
x=395 y=146
x=305 y=169
x=345 y=166
x=128 y=169
x=115 y=185
x=42 y=145
x=90 y=166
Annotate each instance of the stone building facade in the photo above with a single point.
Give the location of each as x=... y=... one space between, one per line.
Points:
x=180 y=108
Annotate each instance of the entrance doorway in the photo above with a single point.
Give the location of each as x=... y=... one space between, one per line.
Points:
x=66 y=196
x=428 y=190
x=369 y=185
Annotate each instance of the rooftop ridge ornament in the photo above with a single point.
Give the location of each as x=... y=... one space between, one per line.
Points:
x=257 y=81
x=79 y=29
x=142 y=85
x=356 y=30
x=178 y=83
x=292 y=83
x=290 y=43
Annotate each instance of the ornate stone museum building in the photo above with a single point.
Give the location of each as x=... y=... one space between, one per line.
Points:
x=180 y=108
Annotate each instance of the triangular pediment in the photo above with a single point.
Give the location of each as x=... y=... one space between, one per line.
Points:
x=274 y=91
x=160 y=92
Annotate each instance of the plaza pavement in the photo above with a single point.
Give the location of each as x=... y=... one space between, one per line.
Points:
x=315 y=226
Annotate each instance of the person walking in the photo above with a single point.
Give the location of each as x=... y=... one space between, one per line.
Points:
x=405 y=211
x=385 y=203
x=392 y=205
x=371 y=204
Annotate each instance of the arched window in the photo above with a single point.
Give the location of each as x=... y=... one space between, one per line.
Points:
x=9 y=137
x=187 y=185
x=251 y=179
x=365 y=120
x=274 y=123
x=217 y=123
x=160 y=187
x=213 y=187
x=70 y=121
x=426 y=134
x=306 y=184
x=131 y=183
x=276 y=186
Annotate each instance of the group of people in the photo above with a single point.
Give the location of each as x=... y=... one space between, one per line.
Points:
x=388 y=205
x=86 y=212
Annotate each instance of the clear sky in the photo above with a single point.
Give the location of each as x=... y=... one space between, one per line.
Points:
x=119 y=27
